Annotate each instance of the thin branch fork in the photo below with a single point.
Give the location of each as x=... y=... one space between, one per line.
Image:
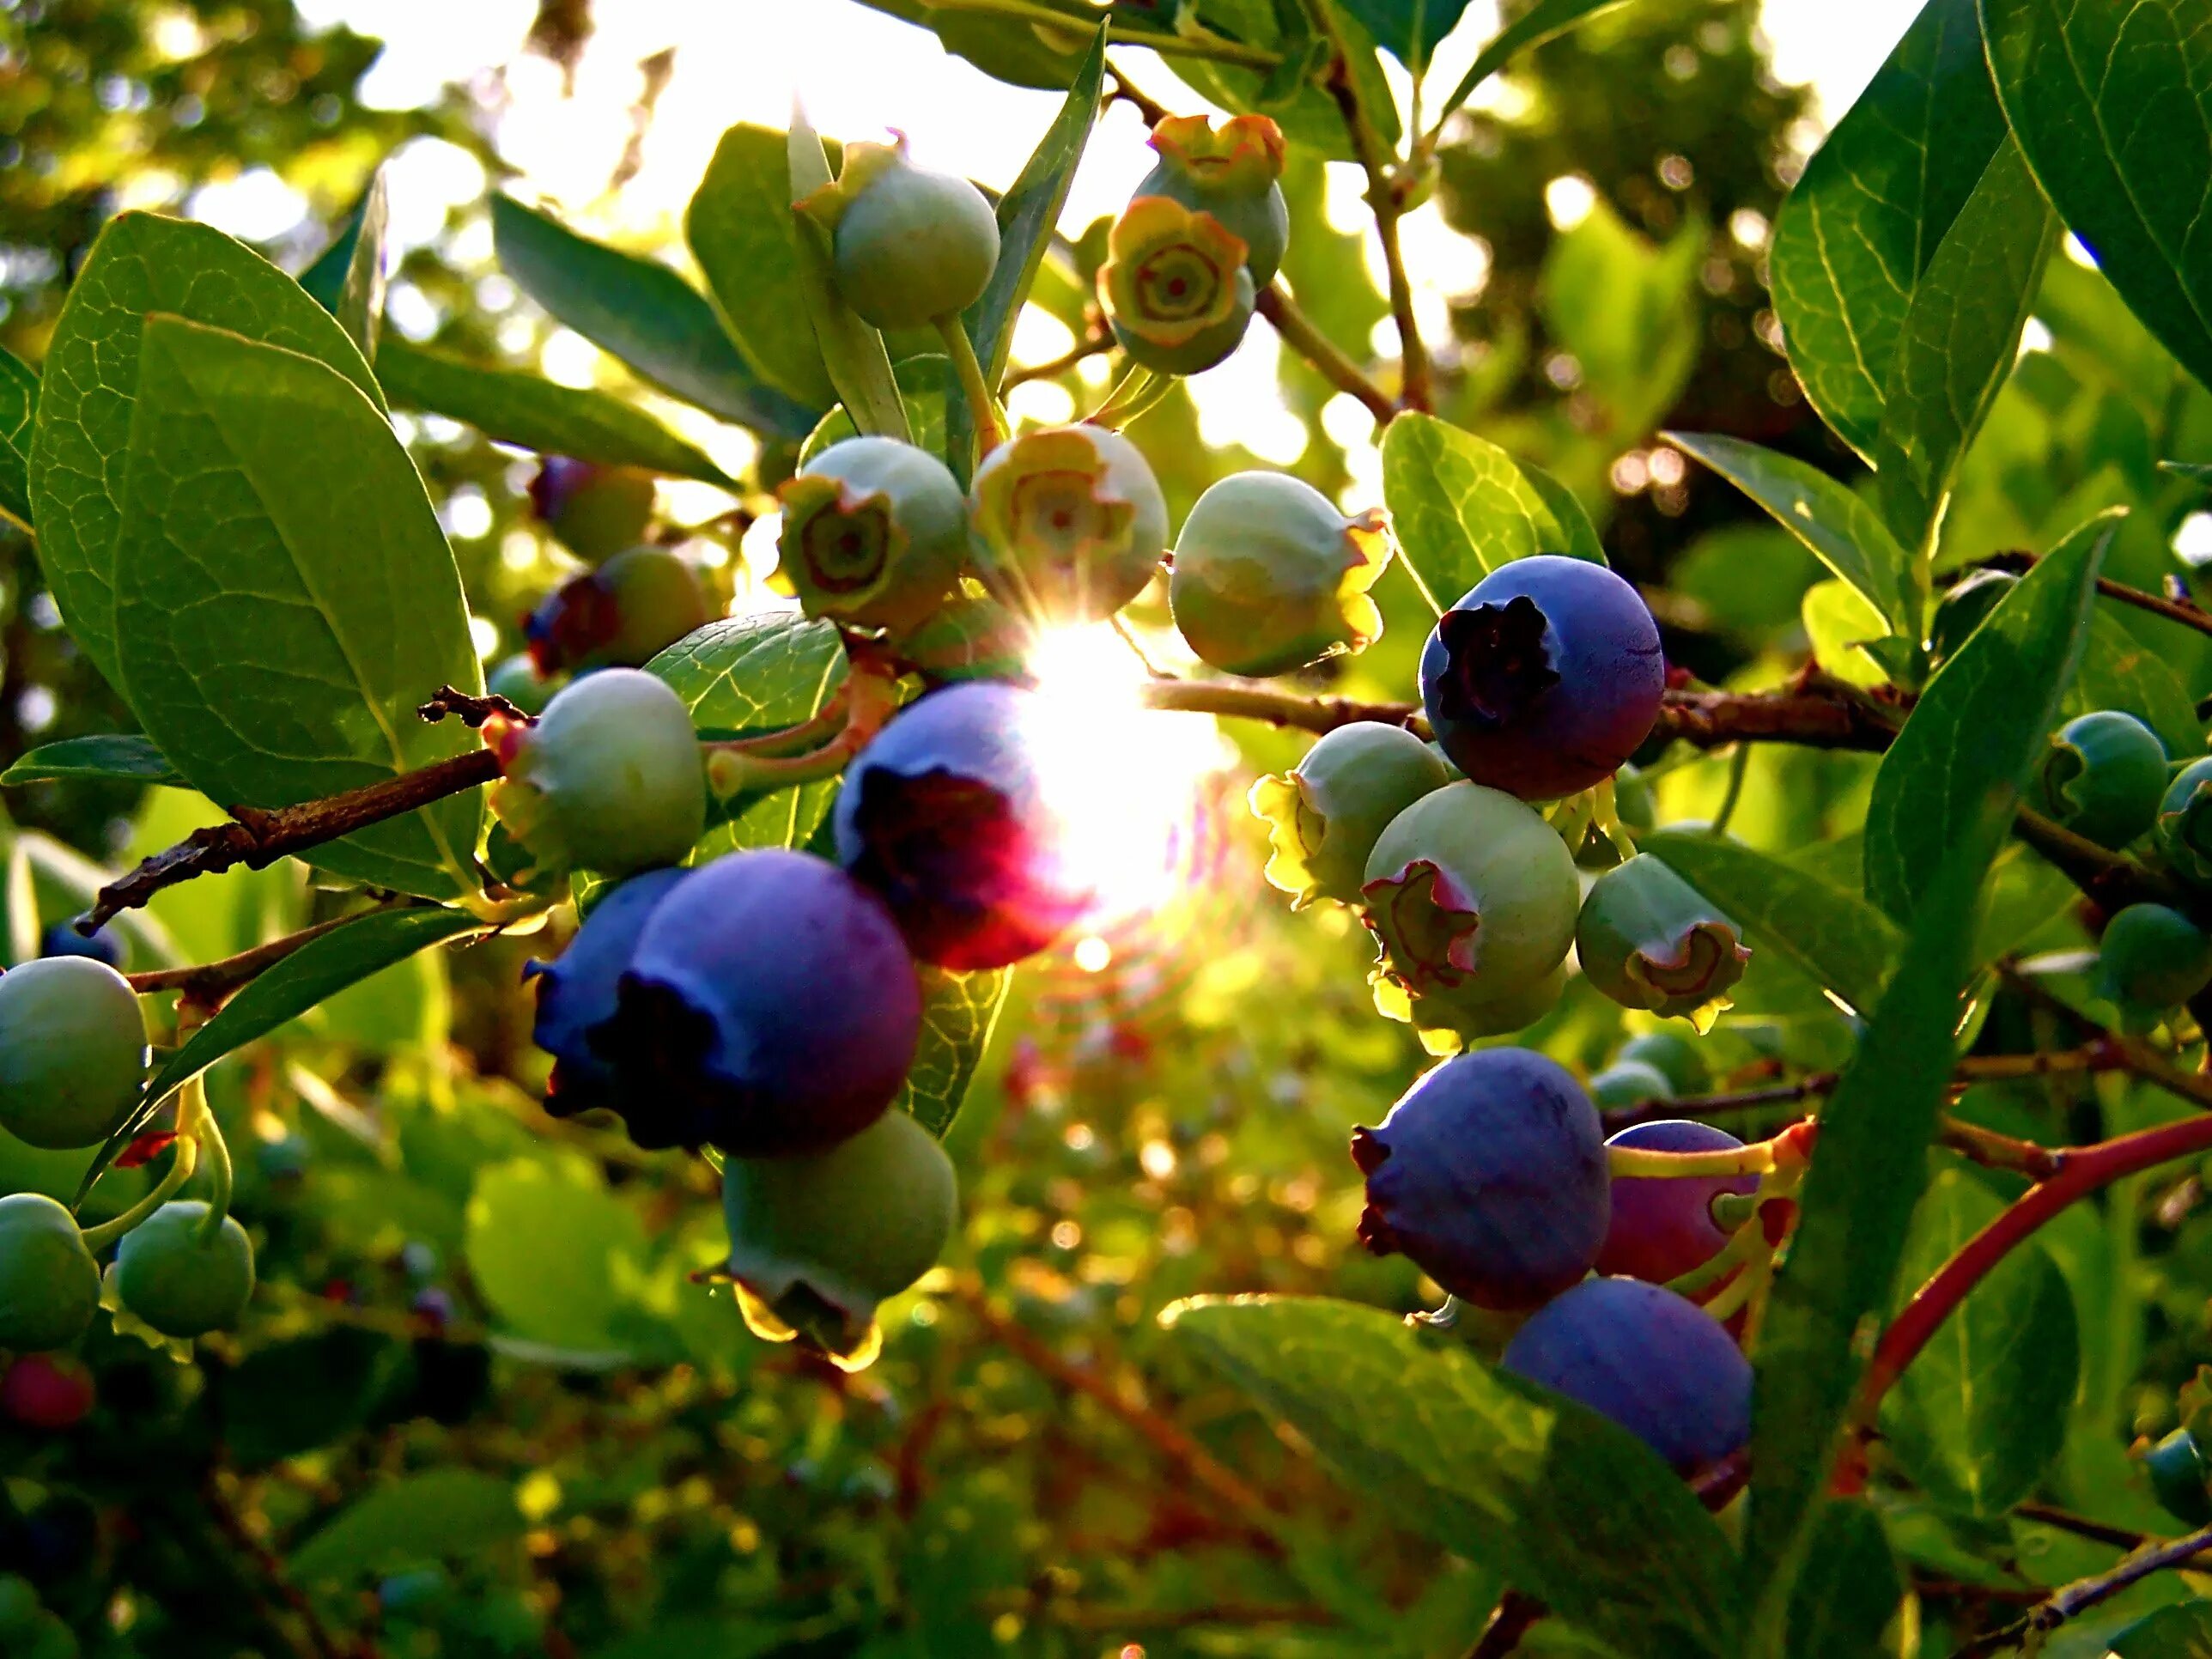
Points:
x=209 y=982
x=2071 y=1600
x=2186 y=611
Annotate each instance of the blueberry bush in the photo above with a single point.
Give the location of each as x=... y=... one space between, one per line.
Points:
x=580 y=1078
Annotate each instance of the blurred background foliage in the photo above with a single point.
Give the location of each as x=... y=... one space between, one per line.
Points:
x=482 y=1406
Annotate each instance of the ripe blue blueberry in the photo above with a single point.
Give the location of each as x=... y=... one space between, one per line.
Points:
x=1544 y=678
x=1490 y=1174
x=1663 y=1227
x=178 y=1282
x=61 y=939
x=623 y=614
x=2180 y=1478
x=72 y=1051
x=577 y=992
x=49 y=1282
x=944 y=814
x=1325 y=816
x=1654 y=1362
x=769 y=1007
x=2102 y=776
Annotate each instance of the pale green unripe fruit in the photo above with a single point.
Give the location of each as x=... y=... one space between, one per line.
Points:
x=909 y=246
x=610 y=779
x=72 y=1051
x=1325 y=816
x=182 y=1286
x=49 y=1282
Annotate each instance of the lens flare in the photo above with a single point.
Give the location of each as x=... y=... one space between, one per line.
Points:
x=1128 y=782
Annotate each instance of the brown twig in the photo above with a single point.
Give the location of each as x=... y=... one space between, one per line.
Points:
x=1127 y=91
x=1296 y=330
x=1516 y=1615
x=2186 y=611
x=471 y=711
x=2071 y=1600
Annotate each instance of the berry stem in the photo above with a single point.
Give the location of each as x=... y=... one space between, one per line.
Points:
x=982 y=408
x=1296 y=330
x=192 y=1103
x=184 y=1159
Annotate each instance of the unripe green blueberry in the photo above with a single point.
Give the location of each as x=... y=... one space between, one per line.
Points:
x=1627 y=1082
x=1231 y=173
x=842 y=1230
x=2185 y=823
x=1674 y=1056
x=2102 y=777
x=2152 y=959
x=610 y=779
x=1269 y=576
x=1174 y=286
x=1449 y=1020
x=908 y=246
x=1649 y=941
x=1633 y=803
x=623 y=614
x=72 y=1051
x=183 y=1286
x=594 y=511
x=1471 y=896
x=49 y=1282
x=518 y=680
x=1068 y=523
x=2180 y=1478
x=1965 y=608
x=1325 y=815
x=873 y=534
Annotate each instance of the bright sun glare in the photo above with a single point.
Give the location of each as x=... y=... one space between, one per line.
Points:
x=1128 y=782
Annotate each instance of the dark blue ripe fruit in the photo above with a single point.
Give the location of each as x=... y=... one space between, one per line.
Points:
x=62 y=940
x=1490 y=1174
x=769 y=1007
x=577 y=992
x=1545 y=678
x=1654 y=1362
x=944 y=814
x=1662 y=1226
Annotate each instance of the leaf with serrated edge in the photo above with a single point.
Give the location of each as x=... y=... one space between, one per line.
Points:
x=1461 y=507
x=1840 y=529
x=958 y=1014
x=2113 y=106
x=1572 y=1509
x=1863 y=223
x=537 y=414
x=1982 y=1412
x=1959 y=338
x=644 y=313
x=19 y=405
x=1979 y=729
x=1837 y=938
x=285 y=599
x=142 y=263
x=125 y=757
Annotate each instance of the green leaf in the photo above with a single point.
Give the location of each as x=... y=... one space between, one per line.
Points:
x=1982 y=1412
x=1959 y=338
x=1626 y=310
x=140 y=265
x=311 y=975
x=958 y=1013
x=1835 y=937
x=552 y=1250
x=284 y=599
x=1863 y=221
x=19 y=406
x=739 y=226
x=1538 y=24
x=360 y=307
x=1843 y=532
x=929 y=392
x=535 y=414
x=2181 y=1632
x=1461 y=507
x=644 y=313
x=438 y=1514
x=1980 y=725
x=2119 y=670
x=1408 y=29
x=1014 y=50
x=748 y=675
x=2112 y=105
x=1849 y=1591
x=1844 y=630
x=123 y=758
x=859 y=366
x=2195 y=472
x=1569 y=1507
x=1296 y=100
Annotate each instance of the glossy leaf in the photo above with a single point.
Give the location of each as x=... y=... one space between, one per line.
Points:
x=1844 y=532
x=1979 y=727
x=537 y=414
x=1461 y=507
x=1958 y=342
x=2112 y=106
x=642 y=313
x=1293 y=94
x=124 y=758
x=2119 y=670
x=142 y=263
x=1537 y=24
x=2181 y=1632
x=1408 y=29
x=1572 y=1509
x=859 y=366
x=958 y=1013
x=1861 y=224
x=19 y=404
x=360 y=307
x=1982 y=1412
x=1849 y=1588
x=435 y=1515
x=550 y=1248
x=1835 y=937
x=284 y=599
x=739 y=226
